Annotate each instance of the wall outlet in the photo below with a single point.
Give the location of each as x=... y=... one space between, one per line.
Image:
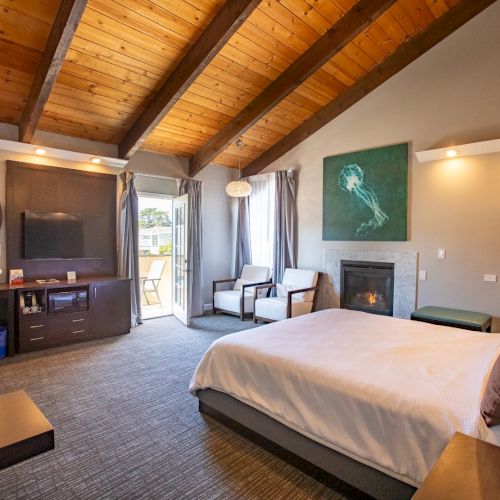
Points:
x=422 y=275
x=441 y=253
x=490 y=277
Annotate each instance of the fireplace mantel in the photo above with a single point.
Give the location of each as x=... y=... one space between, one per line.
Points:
x=405 y=276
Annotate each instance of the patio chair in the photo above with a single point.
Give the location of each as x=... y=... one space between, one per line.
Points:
x=239 y=300
x=151 y=282
x=295 y=296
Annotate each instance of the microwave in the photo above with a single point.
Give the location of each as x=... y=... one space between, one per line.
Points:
x=64 y=301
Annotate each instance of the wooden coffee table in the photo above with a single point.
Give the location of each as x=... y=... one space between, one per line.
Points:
x=24 y=430
x=468 y=469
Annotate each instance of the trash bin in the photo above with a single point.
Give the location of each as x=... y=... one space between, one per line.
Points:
x=3 y=342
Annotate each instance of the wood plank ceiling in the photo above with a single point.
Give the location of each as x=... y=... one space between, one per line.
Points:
x=124 y=51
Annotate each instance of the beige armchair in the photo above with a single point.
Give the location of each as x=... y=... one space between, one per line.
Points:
x=239 y=301
x=295 y=296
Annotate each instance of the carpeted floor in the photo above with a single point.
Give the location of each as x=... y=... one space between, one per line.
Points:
x=126 y=426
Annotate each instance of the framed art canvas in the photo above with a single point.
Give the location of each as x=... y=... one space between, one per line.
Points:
x=365 y=195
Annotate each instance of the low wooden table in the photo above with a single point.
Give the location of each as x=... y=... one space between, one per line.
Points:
x=24 y=430
x=468 y=469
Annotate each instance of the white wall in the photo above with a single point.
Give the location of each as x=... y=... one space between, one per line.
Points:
x=218 y=227
x=451 y=95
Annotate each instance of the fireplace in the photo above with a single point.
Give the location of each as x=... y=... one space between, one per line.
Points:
x=367 y=286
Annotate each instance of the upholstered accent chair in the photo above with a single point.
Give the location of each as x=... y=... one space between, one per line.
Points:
x=295 y=296
x=239 y=301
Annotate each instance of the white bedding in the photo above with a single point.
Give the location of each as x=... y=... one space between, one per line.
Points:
x=385 y=391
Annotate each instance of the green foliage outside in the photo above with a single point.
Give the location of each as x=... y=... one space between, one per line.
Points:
x=166 y=249
x=153 y=217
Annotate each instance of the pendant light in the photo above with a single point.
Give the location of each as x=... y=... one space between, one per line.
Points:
x=239 y=188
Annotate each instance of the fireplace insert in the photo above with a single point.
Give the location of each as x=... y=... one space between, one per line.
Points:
x=367 y=286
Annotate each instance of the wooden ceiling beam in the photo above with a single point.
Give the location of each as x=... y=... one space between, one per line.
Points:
x=332 y=42
x=225 y=23
x=404 y=55
x=67 y=19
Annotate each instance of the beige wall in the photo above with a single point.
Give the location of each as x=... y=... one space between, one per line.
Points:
x=449 y=96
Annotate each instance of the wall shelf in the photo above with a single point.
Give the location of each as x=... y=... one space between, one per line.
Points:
x=472 y=149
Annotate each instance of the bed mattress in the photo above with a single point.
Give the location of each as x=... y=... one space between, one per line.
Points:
x=387 y=392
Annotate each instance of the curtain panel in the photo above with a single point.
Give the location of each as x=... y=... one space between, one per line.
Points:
x=128 y=241
x=243 y=253
x=193 y=189
x=285 y=222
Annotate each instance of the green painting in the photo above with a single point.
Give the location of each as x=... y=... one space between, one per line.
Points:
x=365 y=195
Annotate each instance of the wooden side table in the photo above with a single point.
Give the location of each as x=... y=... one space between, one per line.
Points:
x=24 y=430
x=468 y=469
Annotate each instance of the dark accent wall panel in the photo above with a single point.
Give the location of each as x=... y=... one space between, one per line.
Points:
x=55 y=189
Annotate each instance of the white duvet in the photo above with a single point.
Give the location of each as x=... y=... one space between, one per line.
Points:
x=388 y=392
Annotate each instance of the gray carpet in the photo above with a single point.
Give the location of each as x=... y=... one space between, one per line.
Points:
x=126 y=426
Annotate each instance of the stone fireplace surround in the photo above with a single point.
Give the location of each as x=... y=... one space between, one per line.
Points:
x=405 y=276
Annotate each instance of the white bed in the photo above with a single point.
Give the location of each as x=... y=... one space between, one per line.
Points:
x=388 y=392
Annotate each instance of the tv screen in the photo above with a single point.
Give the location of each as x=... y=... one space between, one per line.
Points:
x=57 y=235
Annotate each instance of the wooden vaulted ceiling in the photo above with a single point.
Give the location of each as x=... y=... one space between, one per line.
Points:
x=190 y=77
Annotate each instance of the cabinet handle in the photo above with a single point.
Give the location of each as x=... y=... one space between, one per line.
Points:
x=77 y=320
x=36 y=338
x=78 y=331
x=37 y=326
x=95 y=292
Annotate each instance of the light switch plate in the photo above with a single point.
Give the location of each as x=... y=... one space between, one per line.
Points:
x=422 y=275
x=490 y=277
x=441 y=253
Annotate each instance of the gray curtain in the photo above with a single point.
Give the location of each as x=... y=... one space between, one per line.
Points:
x=243 y=254
x=128 y=240
x=193 y=189
x=285 y=239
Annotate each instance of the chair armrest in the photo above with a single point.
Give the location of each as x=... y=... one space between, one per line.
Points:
x=258 y=286
x=265 y=285
x=289 y=298
x=228 y=280
x=217 y=282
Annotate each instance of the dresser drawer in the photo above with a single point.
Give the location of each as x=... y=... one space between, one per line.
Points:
x=34 y=337
x=68 y=324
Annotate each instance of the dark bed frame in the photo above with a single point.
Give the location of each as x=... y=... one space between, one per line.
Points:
x=310 y=456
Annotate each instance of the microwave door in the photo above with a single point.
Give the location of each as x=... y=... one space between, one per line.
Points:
x=62 y=301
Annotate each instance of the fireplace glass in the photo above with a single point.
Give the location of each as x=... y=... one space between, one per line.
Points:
x=367 y=286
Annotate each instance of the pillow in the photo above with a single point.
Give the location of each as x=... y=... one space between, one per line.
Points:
x=490 y=405
x=239 y=283
x=282 y=291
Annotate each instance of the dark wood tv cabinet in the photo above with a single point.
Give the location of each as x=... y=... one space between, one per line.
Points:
x=106 y=314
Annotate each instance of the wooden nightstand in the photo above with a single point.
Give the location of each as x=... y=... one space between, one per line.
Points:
x=468 y=469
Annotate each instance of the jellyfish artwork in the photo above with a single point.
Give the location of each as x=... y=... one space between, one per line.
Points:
x=351 y=180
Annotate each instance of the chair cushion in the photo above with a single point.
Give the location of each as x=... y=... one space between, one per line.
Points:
x=274 y=308
x=239 y=283
x=295 y=279
x=255 y=274
x=229 y=300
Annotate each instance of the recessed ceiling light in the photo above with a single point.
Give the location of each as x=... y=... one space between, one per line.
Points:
x=451 y=153
x=40 y=151
x=96 y=160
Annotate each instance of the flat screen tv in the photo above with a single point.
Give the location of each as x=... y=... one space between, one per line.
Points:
x=57 y=235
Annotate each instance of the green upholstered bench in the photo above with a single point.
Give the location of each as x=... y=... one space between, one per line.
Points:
x=468 y=320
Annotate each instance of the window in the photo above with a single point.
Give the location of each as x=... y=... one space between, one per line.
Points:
x=261 y=207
